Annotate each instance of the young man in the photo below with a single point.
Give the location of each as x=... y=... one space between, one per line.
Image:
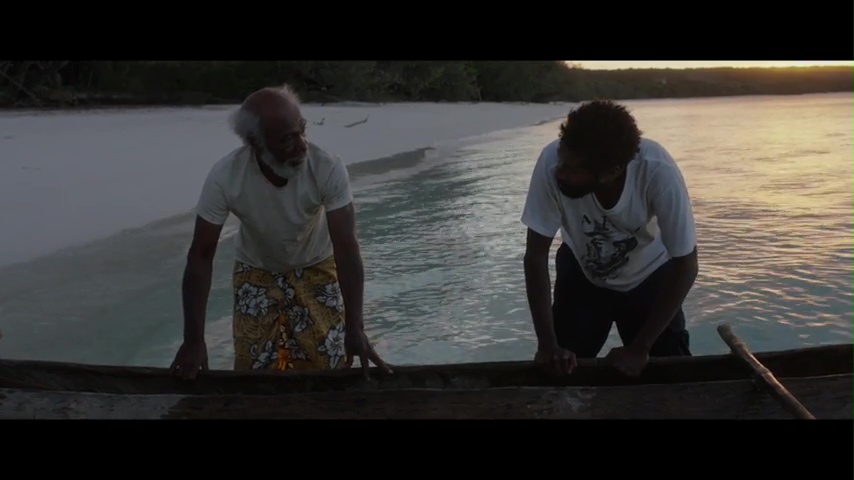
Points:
x=297 y=240
x=628 y=254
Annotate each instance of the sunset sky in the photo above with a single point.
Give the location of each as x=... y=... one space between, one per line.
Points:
x=611 y=64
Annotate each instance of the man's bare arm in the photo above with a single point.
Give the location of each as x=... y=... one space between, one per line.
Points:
x=348 y=259
x=538 y=287
x=671 y=205
x=678 y=284
x=196 y=284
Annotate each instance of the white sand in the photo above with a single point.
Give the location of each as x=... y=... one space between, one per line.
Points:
x=67 y=178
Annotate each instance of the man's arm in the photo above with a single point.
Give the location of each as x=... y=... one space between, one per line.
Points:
x=196 y=283
x=341 y=221
x=348 y=260
x=542 y=217
x=673 y=294
x=538 y=287
x=671 y=205
x=211 y=213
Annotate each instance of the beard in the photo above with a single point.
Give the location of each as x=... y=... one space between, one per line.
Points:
x=285 y=170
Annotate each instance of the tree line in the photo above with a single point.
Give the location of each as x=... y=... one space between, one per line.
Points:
x=27 y=84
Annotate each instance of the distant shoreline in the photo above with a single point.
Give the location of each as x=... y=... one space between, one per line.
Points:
x=144 y=105
x=87 y=85
x=163 y=104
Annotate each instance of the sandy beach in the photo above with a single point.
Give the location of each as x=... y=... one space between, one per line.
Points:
x=67 y=178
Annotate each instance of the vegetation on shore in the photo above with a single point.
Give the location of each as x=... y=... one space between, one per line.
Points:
x=58 y=84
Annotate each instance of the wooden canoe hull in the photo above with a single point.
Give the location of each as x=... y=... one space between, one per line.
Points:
x=705 y=387
x=828 y=397
x=37 y=375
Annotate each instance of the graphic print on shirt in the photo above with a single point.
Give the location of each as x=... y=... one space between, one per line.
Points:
x=607 y=249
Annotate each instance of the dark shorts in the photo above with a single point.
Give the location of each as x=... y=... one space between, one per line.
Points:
x=583 y=313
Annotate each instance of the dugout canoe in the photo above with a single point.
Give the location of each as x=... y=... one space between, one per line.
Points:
x=813 y=382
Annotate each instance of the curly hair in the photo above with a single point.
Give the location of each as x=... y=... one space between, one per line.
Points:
x=602 y=134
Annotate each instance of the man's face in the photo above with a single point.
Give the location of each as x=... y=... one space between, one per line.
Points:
x=285 y=139
x=284 y=146
x=574 y=179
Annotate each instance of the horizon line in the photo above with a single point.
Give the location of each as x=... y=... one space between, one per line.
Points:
x=701 y=64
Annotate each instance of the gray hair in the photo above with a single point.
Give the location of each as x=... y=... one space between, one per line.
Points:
x=246 y=123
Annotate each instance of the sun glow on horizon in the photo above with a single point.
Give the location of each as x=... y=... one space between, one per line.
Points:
x=625 y=64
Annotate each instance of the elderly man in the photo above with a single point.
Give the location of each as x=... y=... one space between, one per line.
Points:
x=297 y=240
x=629 y=250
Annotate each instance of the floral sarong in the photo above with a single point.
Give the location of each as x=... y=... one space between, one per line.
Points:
x=288 y=321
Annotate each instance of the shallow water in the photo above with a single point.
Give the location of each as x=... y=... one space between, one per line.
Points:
x=771 y=181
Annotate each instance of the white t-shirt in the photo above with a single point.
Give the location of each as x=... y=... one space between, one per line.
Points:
x=281 y=228
x=617 y=248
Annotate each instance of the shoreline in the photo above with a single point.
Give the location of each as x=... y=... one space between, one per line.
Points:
x=217 y=105
x=160 y=106
x=78 y=177
x=154 y=105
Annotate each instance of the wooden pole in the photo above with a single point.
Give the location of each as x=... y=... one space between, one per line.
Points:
x=740 y=350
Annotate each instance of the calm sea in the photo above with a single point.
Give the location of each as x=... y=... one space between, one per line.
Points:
x=771 y=181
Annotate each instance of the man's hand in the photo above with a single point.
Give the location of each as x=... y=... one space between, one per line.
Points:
x=555 y=360
x=356 y=344
x=190 y=359
x=629 y=360
x=351 y=277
